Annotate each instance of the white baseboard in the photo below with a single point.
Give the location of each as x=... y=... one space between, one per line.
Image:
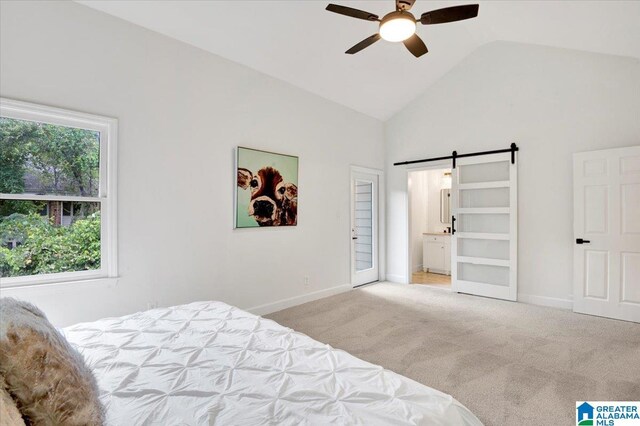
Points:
x=553 y=302
x=418 y=268
x=396 y=278
x=268 y=308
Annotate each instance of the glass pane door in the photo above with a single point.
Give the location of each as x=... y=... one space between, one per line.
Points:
x=484 y=244
x=364 y=227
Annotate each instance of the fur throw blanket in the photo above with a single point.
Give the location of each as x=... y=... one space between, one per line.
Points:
x=46 y=377
x=9 y=414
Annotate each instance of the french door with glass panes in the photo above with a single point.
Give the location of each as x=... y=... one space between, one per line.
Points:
x=364 y=228
x=485 y=221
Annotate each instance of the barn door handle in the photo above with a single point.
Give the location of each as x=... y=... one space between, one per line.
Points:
x=581 y=241
x=453 y=225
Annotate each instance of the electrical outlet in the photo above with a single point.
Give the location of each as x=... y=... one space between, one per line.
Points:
x=306 y=281
x=152 y=305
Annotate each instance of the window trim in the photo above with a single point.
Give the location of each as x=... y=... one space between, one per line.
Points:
x=107 y=192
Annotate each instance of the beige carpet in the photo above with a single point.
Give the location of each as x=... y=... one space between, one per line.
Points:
x=509 y=363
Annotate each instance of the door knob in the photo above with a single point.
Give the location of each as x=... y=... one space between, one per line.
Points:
x=581 y=241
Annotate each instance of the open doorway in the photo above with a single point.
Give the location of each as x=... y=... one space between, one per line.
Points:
x=430 y=227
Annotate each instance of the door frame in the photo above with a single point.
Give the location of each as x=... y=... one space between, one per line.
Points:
x=382 y=242
x=435 y=165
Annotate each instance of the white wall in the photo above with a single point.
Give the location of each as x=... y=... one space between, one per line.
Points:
x=419 y=205
x=181 y=112
x=552 y=102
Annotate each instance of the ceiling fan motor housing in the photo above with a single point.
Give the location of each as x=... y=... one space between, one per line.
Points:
x=400 y=14
x=404 y=4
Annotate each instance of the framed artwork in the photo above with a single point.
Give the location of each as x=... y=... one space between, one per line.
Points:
x=266 y=189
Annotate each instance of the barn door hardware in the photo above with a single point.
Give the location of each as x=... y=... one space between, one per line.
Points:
x=454 y=156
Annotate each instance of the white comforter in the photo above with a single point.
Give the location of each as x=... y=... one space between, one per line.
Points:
x=210 y=363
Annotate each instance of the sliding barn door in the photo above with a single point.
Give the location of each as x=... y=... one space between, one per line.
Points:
x=484 y=243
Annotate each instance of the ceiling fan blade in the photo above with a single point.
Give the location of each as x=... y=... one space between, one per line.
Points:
x=364 y=43
x=449 y=14
x=404 y=4
x=416 y=45
x=354 y=13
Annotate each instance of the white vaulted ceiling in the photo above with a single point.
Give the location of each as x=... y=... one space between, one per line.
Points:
x=301 y=43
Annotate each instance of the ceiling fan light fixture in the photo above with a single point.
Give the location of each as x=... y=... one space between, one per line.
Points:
x=400 y=25
x=397 y=26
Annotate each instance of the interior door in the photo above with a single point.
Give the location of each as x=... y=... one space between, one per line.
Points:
x=364 y=228
x=606 y=228
x=484 y=244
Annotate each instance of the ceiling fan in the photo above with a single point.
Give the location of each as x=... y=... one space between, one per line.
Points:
x=400 y=25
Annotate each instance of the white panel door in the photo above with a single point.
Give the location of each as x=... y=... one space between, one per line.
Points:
x=606 y=228
x=484 y=242
x=364 y=228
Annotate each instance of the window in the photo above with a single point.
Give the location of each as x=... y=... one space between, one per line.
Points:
x=57 y=195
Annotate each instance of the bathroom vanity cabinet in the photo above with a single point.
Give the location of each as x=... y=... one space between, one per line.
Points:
x=436 y=253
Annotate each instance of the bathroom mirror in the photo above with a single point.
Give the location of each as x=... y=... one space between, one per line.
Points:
x=445 y=206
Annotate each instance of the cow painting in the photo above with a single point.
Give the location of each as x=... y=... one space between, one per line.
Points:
x=272 y=199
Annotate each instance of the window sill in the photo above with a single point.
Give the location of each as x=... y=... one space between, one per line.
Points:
x=107 y=282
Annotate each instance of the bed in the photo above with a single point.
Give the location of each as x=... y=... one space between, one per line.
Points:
x=209 y=363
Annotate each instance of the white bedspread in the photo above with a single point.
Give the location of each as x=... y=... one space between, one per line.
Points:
x=210 y=363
